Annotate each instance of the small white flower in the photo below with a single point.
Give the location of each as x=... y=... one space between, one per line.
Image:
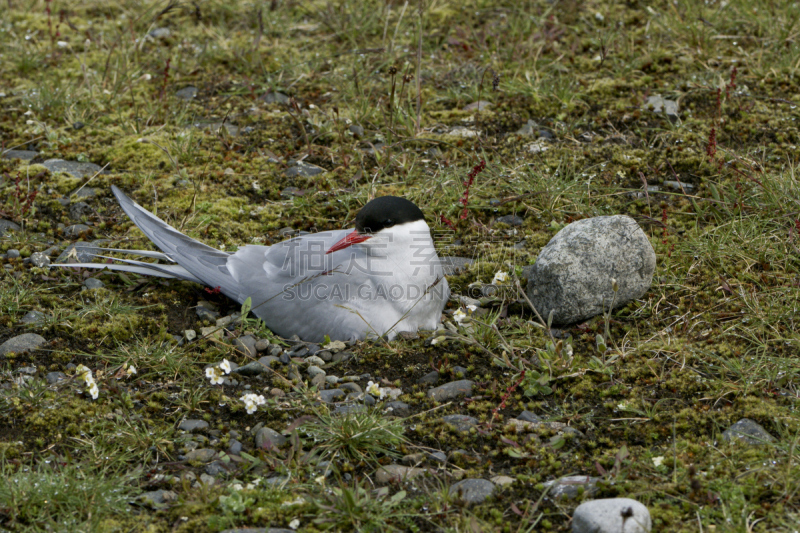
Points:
x=658 y=461
x=437 y=340
x=376 y=390
x=373 y=388
x=499 y=277
x=94 y=391
x=83 y=371
x=252 y=401
x=472 y=308
x=130 y=370
x=225 y=366
x=599 y=16
x=62 y=44
x=459 y=316
x=294 y=524
x=215 y=375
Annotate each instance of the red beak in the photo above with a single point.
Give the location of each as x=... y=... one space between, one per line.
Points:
x=352 y=238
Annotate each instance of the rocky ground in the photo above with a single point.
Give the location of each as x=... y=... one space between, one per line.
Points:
x=140 y=404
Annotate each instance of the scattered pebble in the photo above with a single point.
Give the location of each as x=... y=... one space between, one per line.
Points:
x=511 y=220
x=54 y=377
x=462 y=423
x=246 y=345
x=157 y=499
x=33 y=318
x=330 y=396
x=93 y=283
x=191 y=425
x=431 y=378
x=24 y=155
x=27 y=342
x=38 y=259
x=74 y=231
x=187 y=93
x=79 y=210
x=452 y=390
x=269 y=438
x=398 y=408
x=202 y=455
x=397 y=474
x=76 y=169
x=314 y=371
x=303 y=169
x=455 y=265
x=570 y=487
x=502 y=481
x=472 y=490
x=612 y=515
x=746 y=431
x=81 y=252
x=6 y=226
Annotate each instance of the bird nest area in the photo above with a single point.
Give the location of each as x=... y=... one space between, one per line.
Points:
x=130 y=403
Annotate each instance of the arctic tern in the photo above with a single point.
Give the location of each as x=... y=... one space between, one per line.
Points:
x=379 y=279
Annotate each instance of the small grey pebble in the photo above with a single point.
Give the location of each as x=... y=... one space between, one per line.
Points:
x=40 y=260
x=193 y=424
x=93 y=283
x=54 y=377
x=431 y=378
x=33 y=317
x=330 y=396
x=216 y=468
x=351 y=387
x=511 y=220
x=13 y=253
x=439 y=457
x=398 y=408
x=235 y=447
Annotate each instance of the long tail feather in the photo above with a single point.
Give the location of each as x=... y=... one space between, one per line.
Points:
x=206 y=264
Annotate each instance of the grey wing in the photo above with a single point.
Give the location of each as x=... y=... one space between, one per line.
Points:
x=203 y=262
x=282 y=281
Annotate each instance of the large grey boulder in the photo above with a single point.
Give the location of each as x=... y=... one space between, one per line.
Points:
x=612 y=515
x=574 y=273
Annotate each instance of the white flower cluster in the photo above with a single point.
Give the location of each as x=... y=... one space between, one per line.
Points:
x=216 y=373
x=376 y=390
x=252 y=401
x=500 y=277
x=460 y=316
x=85 y=374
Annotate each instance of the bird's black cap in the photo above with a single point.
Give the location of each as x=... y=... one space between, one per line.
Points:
x=385 y=212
